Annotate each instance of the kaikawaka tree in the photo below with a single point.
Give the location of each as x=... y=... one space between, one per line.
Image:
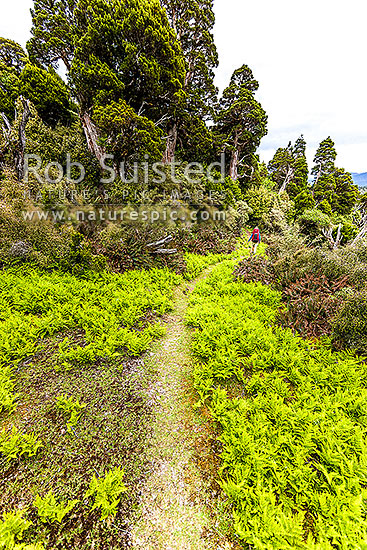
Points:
x=241 y=123
x=139 y=81
x=333 y=188
x=193 y=22
x=125 y=67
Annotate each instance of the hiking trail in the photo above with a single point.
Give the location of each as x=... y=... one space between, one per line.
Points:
x=181 y=501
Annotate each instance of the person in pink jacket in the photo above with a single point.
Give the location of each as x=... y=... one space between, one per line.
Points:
x=255 y=239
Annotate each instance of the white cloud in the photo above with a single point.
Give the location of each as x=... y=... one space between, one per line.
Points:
x=309 y=58
x=15 y=20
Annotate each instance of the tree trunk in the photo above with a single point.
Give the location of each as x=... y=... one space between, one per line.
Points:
x=233 y=167
x=169 y=153
x=92 y=136
x=6 y=129
x=19 y=153
x=287 y=180
x=363 y=231
x=328 y=233
x=316 y=181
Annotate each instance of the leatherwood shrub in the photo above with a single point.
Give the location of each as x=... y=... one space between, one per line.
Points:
x=311 y=302
x=201 y=239
x=349 y=327
x=254 y=269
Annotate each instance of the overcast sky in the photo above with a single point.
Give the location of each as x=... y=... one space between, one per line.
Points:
x=310 y=60
x=308 y=56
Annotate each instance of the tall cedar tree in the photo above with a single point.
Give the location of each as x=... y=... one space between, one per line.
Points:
x=45 y=89
x=289 y=169
x=281 y=167
x=12 y=55
x=193 y=22
x=123 y=62
x=323 y=171
x=299 y=183
x=346 y=192
x=333 y=188
x=241 y=123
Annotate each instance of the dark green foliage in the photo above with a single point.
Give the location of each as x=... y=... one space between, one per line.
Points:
x=125 y=67
x=44 y=88
x=241 y=122
x=270 y=210
x=126 y=135
x=280 y=168
x=333 y=188
x=303 y=201
x=134 y=56
x=312 y=222
x=193 y=22
x=54 y=144
x=289 y=170
x=9 y=90
x=324 y=166
x=52 y=33
x=196 y=141
x=48 y=93
x=345 y=192
x=12 y=55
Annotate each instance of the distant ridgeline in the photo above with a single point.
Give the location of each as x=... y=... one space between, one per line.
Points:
x=360 y=179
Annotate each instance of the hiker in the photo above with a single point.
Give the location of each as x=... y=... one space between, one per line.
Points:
x=255 y=239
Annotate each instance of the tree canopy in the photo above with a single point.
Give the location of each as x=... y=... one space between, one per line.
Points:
x=120 y=55
x=44 y=88
x=289 y=168
x=241 y=122
x=333 y=188
x=193 y=22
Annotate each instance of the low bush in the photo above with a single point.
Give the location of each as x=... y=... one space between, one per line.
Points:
x=126 y=248
x=310 y=304
x=349 y=326
x=310 y=280
x=254 y=269
x=292 y=260
x=205 y=240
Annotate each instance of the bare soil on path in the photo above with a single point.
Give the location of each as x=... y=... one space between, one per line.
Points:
x=182 y=507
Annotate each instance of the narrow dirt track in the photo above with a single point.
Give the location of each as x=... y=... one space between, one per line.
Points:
x=181 y=501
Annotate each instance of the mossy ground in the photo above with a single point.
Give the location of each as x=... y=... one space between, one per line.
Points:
x=111 y=432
